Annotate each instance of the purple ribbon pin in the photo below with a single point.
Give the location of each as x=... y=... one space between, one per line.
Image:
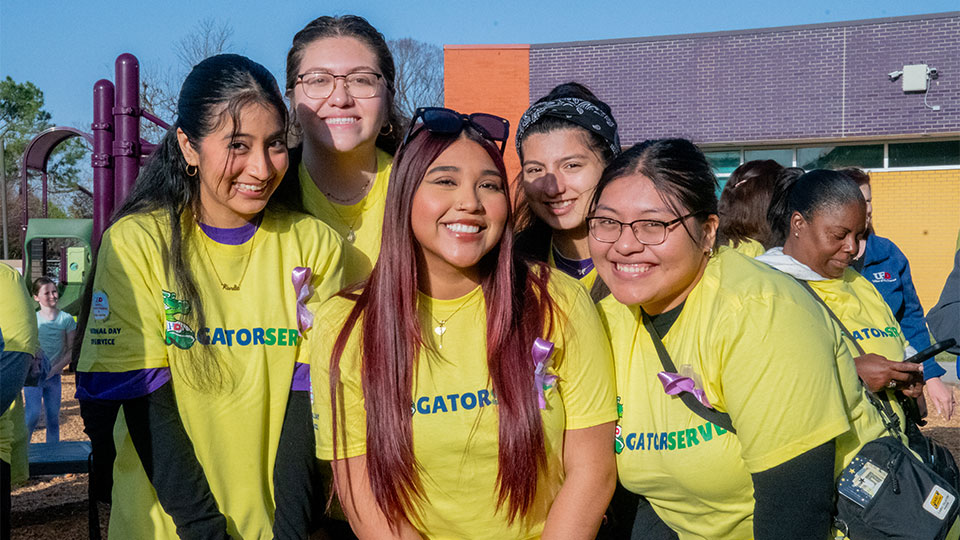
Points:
x=301 y=284
x=542 y=381
x=674 y=384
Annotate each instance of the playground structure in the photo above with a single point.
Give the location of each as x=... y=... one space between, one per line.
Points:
x=118 y=152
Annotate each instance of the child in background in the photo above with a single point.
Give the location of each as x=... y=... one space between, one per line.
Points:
x=56 y=331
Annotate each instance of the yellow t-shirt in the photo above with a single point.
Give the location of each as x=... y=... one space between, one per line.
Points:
x=749 y=247
x=861 y=308
x=18 y=317
x=760 y=345
x=138 y=322
x=364 y=219
x=455 y=424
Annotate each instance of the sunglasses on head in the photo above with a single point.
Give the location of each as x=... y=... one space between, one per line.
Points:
x=450 y=122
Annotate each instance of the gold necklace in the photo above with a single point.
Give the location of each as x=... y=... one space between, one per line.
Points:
x=246 y=265
x=441 y=327
x=351 y=234
x=361 y=193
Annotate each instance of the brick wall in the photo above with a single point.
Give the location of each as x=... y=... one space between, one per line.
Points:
x=492 y=79
x=793 y=83
x=918 y=211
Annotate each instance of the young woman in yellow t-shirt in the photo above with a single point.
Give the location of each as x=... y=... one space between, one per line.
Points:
x=345 y=129
x=192 y=325
x=564 y=141
x=745 y=340
x=467 y=394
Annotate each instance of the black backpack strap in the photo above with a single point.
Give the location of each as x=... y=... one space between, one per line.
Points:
x=879 y=400
x=599 y=291
x=707 y=413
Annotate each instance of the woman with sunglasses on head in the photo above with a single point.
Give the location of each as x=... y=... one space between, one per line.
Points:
x=192 y=323
x=468 y=395
x=564 y=141
x=720 y=334
x=345 y=126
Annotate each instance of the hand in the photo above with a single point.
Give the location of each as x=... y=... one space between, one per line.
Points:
x=941 y=396
x=878 y=373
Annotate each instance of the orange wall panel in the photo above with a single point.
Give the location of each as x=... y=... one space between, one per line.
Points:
x=494 y=79
x=920 y=212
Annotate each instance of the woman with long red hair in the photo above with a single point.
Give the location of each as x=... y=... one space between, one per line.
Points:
x=467 y=394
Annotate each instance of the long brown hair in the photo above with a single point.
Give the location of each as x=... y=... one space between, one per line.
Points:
x=517 y=309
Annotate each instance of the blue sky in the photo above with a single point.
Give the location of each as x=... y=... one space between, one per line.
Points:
x=64 y=47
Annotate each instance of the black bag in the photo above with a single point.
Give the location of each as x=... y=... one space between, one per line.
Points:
x=886 y=492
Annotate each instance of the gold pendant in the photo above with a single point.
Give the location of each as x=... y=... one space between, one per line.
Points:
x=440 y=330
x=230 y=287
x=351 y=236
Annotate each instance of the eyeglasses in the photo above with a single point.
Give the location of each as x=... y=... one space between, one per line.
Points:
x=450 y=122
x=359 y=84
x=649 y=232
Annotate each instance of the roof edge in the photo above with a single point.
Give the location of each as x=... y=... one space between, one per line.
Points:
x=767 y=30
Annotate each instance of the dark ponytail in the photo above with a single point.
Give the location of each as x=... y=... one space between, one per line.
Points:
x=808 y=193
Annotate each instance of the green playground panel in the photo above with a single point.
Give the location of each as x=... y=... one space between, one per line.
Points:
x=75 y=229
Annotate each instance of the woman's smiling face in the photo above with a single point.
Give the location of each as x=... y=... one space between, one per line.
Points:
x=459 y=210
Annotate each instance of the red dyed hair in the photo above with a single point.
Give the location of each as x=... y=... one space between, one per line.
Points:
x=518 y=310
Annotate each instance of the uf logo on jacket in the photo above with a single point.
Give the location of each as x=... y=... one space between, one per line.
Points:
x=883 y=277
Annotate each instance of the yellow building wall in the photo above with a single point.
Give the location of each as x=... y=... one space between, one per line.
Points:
x=920 y=212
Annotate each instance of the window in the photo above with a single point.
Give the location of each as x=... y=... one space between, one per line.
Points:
x=834 y=157
x=924 y=154
x=724 y=162
x=783 y=156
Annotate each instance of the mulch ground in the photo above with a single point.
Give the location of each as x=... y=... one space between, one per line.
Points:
x=55 y=507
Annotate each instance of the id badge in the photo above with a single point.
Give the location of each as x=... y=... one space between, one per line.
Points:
x=861 y=480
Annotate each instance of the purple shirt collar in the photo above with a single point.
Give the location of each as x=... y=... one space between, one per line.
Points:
x=233 y=236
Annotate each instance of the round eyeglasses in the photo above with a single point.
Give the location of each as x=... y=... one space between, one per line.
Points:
x=649 y=232
x=359 y=84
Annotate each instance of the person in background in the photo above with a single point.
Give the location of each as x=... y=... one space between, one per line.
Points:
x=944 y=318
x=57 y=331
x=822 y=217
x=732 y=328
x=564 y=141
x=467 y=394
x=194 y=318
x=345 y=127
x=18 y=344
x=884 y=265
x=743 y=206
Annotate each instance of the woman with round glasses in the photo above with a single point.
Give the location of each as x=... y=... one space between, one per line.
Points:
x=564 y=141
x=340 y=82
x=472 y=394
x=739 y=402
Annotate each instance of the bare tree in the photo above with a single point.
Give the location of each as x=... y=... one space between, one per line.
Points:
x=419 y=74
x=159 y=85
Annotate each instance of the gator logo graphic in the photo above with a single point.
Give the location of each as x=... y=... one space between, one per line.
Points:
x=618 y=433
x=178 y=333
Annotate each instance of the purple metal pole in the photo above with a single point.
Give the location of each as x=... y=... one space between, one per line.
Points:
x=126 y=119
x=101 y=158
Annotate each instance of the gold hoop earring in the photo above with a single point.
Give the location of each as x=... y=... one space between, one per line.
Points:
x=192 y=172
x=389 y=131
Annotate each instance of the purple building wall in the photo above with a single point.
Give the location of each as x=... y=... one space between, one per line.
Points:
x=800 y=83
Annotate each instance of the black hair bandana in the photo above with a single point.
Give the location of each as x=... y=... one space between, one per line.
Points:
x=578 y=111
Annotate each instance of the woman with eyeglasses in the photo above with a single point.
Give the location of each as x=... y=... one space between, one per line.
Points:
x=697 y=335
x=564 y=141
x=345 y=129
x=467 y=394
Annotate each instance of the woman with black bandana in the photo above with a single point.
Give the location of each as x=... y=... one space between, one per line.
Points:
x=564 y=141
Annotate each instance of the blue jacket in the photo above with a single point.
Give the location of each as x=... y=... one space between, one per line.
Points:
x=887 y=268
